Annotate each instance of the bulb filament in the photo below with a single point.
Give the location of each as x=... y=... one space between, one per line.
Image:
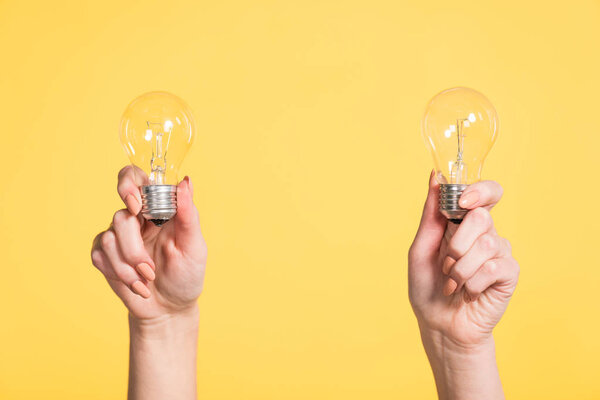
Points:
x=158 y=162
x=458 y=173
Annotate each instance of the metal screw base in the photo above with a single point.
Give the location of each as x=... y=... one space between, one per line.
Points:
x=159 y=203
x=449 y=195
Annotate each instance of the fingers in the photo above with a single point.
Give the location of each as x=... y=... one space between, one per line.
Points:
x=187 y=223
x=433 y=223
x=131 y=245
x=448 y=264
x=130 y=179
x=481 y=194
x=497 y=271
x=100 y=260
x=475 y=224
x=122 y=270
x=107 y=258
x=488 y=246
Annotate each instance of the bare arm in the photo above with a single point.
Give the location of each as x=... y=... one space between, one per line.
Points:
x=162 y=357
x=461 y=278
x=158 y=273
x=463 y=373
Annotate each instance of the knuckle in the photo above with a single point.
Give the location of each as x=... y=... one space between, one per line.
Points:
x=96 y=242
x=458 y=274
x=120 y=218
x=124 y=171
x=107 y=240
x=499 y=189
x=454 y=250
x=488 y=241
x=125 y=274
x=135 y=256
x=121 y=276
x=125 y=186
x=516 y=267
x=491 y=266
x=492 y=189
x=122 y=187
x=481 y=216
x=96 y=257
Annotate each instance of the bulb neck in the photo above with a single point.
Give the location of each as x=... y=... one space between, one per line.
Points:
x=449 y=196
x=159 y=203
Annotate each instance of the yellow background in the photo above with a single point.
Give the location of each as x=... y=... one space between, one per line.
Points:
x=310 y=173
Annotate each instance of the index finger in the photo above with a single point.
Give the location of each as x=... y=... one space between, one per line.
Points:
x=484 y=194
x=128 y=187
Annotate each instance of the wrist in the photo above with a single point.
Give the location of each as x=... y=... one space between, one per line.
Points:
x=446 y=347
x=162 y=354
x=463 y=370
x=175 y=324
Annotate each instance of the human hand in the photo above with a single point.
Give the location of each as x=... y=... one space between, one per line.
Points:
x=461 y=277
x=156 y=271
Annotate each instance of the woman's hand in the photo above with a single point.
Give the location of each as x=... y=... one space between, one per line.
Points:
x=461 y=278
x=156 y=271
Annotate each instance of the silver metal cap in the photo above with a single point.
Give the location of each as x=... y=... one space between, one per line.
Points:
x=159 y=203
x=449 y=195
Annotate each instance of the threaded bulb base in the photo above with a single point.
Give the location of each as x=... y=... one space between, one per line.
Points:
x=159 y=203
x=449 y=195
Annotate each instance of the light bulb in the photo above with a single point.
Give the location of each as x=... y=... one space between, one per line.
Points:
x=460 y=126
x=157 y=130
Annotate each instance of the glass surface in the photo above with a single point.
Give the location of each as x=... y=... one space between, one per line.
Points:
x=157 y=129
x=460 y=126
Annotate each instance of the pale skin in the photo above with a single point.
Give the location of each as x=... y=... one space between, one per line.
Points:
x=158 y=273
x=461 y=278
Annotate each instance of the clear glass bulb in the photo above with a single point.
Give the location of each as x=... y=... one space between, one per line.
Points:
x=460 y=126
x=157 y=130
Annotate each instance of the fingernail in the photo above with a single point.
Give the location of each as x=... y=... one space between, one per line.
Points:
x=447 y=265
x=190 y=184
x=449 y=287
x=432 y=179
x=139 y=288
x=468 y=199
x=146 y=271
x=132 y=203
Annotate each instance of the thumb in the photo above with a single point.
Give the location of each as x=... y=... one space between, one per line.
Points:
x=187 y=224
x=433 y=223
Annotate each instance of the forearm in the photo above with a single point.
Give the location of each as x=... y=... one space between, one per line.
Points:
x=463 y=372
x=162 y=356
